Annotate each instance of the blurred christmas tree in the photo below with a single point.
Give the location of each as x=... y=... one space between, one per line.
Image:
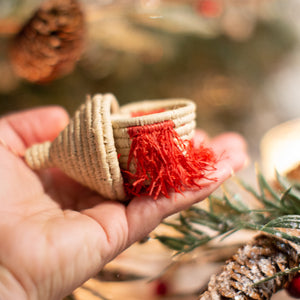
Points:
x=215 y=52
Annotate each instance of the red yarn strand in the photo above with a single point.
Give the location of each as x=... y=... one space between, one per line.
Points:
x=164 y=162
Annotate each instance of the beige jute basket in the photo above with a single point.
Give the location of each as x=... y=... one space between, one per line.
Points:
x=94 y=147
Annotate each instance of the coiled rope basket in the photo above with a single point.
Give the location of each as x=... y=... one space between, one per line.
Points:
x=95 y=148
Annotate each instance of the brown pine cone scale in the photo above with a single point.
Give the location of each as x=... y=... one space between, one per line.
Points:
x=50 y=43
x=263 y=258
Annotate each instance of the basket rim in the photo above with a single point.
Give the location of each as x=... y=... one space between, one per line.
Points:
x=177 y=108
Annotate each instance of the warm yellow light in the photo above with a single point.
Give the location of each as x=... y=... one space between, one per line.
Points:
x=280 y=148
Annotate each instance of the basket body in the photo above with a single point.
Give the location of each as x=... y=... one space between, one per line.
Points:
x=93 y=149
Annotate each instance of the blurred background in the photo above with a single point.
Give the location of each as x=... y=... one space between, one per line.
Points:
x=237 y=59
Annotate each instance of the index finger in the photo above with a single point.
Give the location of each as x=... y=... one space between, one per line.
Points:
x=22 y=129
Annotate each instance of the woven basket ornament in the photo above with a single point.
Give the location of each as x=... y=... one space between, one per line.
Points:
x=142 y=148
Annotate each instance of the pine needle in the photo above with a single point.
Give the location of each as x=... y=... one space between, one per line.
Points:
x=276 y=208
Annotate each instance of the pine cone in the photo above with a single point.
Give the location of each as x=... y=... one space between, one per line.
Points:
x=264 y=257
x=50 y=43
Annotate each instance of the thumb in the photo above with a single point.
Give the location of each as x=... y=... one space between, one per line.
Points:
x=20 y=130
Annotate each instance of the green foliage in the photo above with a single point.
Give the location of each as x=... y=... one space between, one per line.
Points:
x=275 y=208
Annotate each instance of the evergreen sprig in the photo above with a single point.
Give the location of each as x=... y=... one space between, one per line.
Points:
x=277 y=206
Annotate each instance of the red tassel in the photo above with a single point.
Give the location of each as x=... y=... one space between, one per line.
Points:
x=164 y=162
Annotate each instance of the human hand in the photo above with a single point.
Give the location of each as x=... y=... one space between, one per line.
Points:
x=55 y=234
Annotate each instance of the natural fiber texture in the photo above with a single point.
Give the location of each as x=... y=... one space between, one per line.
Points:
x=262 y=258
x=180 y=111
x=50 y=43
x=94 y=147
x=85 y=150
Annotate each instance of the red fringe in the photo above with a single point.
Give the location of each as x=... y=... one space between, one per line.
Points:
x=164 y=161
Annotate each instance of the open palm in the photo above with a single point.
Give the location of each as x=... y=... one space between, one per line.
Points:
x=54 y=233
